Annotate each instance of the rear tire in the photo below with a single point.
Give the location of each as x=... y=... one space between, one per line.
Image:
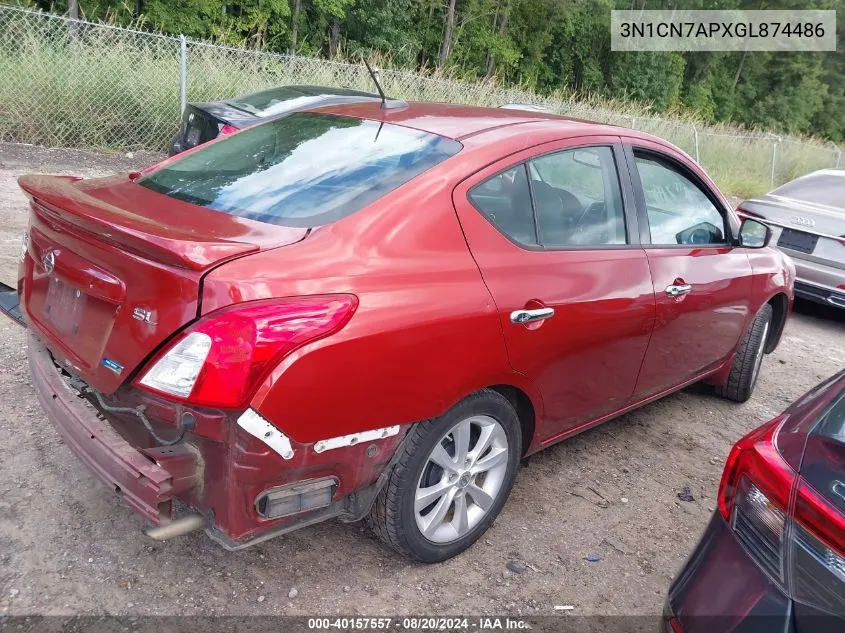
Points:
x=749 y=357
x=451 y=480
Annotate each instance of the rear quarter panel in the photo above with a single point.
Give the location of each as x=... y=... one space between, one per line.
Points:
x=425 y=334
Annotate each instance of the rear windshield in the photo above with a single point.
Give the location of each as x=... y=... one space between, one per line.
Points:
x=304 y=170
x=827 y=189
x=823 y=465
x=833 y=425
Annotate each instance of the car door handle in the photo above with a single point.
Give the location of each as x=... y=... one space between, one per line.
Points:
x=677 y=291
x=529 y=316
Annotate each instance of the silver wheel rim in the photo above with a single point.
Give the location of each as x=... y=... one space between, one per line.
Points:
x=759 y=360
x=461 y=479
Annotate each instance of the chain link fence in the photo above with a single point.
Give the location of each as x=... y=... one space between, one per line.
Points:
x=70 y=83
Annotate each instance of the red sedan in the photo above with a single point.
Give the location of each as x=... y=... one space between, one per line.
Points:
x=361 y=311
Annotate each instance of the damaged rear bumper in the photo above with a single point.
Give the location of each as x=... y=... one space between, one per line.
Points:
x=245 y=491
x=148 y=481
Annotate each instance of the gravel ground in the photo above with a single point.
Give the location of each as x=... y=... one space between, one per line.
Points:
x=68 y=546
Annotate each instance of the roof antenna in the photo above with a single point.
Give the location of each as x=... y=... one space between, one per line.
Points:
x=385 y=103
x=375 y=81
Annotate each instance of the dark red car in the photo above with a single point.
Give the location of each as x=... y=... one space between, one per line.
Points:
x=366 y=311
x=773 y=556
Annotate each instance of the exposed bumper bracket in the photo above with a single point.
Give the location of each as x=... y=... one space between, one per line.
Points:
x=148 y=481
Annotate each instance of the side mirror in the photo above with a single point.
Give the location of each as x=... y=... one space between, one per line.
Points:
x=754 y=234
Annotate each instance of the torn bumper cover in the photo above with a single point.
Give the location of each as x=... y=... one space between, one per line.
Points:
x=243 y=476
x=148 y=481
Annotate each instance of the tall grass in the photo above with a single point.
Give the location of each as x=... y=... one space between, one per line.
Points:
x=98 y=86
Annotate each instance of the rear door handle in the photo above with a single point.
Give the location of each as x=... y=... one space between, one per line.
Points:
x=677 y=291
x=528 y=316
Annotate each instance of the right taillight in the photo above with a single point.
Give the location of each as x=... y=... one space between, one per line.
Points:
x=221 y=360
x=789 y=530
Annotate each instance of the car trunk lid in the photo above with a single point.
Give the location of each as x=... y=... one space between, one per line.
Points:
x=798 y=214
x=113 y=269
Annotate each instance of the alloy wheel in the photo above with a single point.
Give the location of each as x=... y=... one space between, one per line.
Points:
x=461 y=479
x=759 y=360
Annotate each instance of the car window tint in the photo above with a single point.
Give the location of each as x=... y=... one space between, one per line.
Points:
x=506 y=202
x=833 y=425
x=827 y=189
x=678 y=211
x=304 y=170
x=257 y=102
x=578 y=199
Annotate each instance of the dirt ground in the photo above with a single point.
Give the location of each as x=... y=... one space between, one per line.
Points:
x=69 y=546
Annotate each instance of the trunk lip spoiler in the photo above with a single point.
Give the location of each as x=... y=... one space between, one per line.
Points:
x=57 y=200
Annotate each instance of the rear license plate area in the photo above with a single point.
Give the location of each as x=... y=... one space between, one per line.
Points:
x=798 y=241
x=64 y=307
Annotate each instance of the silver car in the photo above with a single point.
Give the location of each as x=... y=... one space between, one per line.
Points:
x=807 y=217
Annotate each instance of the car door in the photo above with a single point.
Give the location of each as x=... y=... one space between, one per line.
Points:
x=702 y=283
x=554 y=235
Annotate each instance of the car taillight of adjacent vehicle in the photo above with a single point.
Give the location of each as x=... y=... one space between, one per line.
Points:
x=773 y=556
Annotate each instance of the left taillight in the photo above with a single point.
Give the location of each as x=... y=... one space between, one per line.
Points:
x=754 y=497
x=789 y=530
x=221 y=360
x=227 y=129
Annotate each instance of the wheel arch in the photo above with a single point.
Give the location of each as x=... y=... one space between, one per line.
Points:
x=525 y=411
x=780 y=311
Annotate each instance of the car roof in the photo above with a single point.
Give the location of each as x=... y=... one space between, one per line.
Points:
x=455 y=121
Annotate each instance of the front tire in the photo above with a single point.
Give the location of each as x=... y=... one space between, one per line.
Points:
x=749 y=357
x=451 y=480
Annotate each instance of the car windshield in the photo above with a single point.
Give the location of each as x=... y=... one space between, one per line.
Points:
x=827 y=189
x=257 y=102
x=286 y=98
x=304 y=170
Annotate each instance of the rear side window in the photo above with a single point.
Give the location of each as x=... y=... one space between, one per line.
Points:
x=506 y=201
x=678 y=211
x=827 y=189
x=568 y=199
x=304 y=170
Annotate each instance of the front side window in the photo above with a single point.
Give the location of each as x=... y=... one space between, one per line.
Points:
x=304 y=170
x=578 y=199
x=678 y=211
